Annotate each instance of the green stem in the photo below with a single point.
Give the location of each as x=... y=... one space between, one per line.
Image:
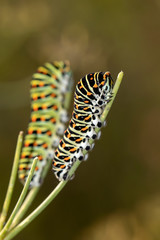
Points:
x=37 y=211
x=60 y=186
x=20 y=200
x=26 y=204
x=115 y=90
x=29 y=199
x=12 y=181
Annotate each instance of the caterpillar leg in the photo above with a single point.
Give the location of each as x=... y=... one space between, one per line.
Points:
x=98 y=135
x=91 y=133
x=50 y=155
x=55 y=141
x=64 y=116
x=61 y=171
x=85 y=144
x=79 y=154
x=60 y=129
x=92 y=146
x=96 y=110
x=104 y=124
x=96 y=122
x=85 y=157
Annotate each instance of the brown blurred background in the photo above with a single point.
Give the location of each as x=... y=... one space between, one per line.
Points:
x=116 y=193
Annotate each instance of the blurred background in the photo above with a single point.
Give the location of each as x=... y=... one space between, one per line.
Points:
x=116 y=193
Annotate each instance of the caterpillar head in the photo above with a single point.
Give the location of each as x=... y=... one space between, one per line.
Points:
x=107 y=83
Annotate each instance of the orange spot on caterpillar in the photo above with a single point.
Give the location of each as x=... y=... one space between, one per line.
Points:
x=53 y=95
x=49 y=133
x=39 y=131
x=86 y=101
x=84 y=129
x=53 y=86
x=79 y=140
x=66 y=158
x=69 y=135
x=44 y=106
x=44 y=145
x=95 y=85
x=87 y=117
x=102 y=83
x=40 y=158
x=42 y=118
x=26 y=144
x=41 y=84
x=34 y=119
x=55 y=107
x=42 y=95
x=89 y=93
x=63 y=145
x=36 y=169
x=23 y=155
x=74 y=125
x=54 y=76
x=72 y=149
x=22 y=176
x=91 y=78
x=53 y=120
x=34 y=97
x=62 y=166
x=30 y=131
x=35 y=107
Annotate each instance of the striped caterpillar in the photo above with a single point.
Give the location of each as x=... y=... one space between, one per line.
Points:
x=49 y=86
x=92 y=94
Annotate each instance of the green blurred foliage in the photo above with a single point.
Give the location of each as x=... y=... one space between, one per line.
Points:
x=123 y=170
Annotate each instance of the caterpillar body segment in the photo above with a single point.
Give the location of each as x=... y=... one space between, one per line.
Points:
x=92 y=94
x=49 y=88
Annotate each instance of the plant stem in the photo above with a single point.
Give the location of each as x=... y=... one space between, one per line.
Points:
x=37 y=211
x=11 y=181
x=60 y=186
x=20 y=200
x=26 y=204
x=29 y=199
x=115 y=90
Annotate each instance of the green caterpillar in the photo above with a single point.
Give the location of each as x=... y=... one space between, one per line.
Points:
x=49 y=88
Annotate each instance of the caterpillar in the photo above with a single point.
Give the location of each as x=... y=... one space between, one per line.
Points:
x=49 y=87
x=92 y=94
